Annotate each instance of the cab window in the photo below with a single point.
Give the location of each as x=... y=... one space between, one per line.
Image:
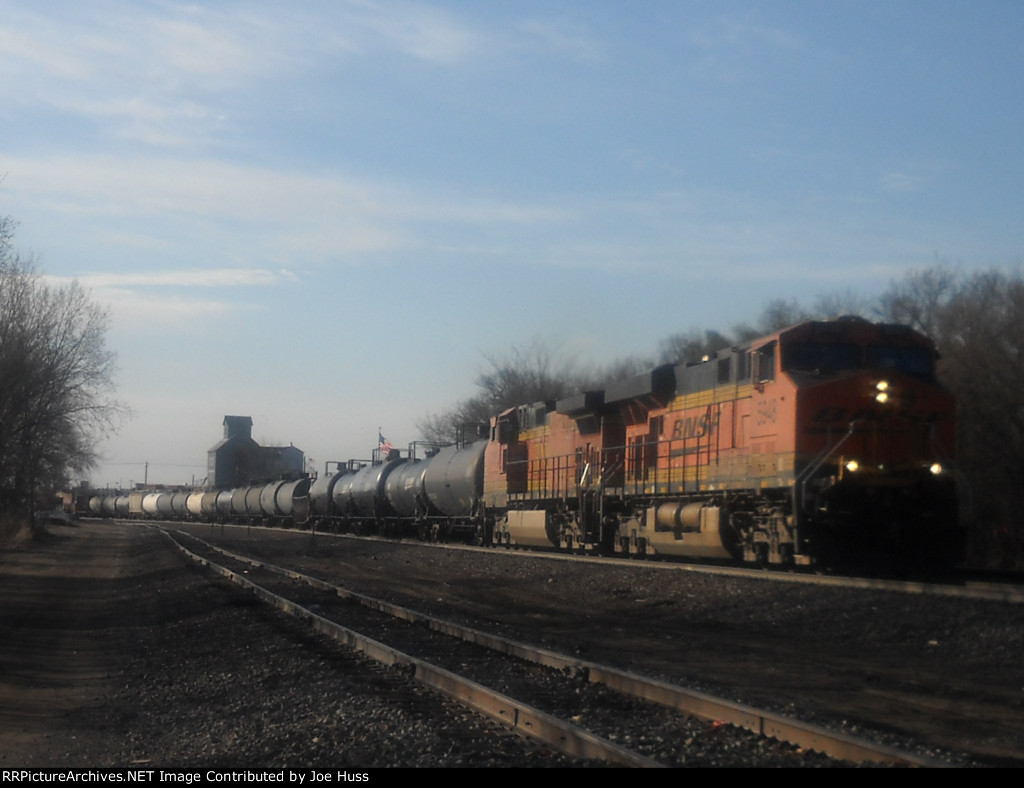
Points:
x=820 y=358
x=915 y=361
x=764 y=363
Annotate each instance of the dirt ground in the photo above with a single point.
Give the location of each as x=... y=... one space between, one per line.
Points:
x=63 y=650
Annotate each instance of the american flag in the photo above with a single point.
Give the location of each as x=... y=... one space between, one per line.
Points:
x=384 y=444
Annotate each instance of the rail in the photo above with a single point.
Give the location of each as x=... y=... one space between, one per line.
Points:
x=510 y=712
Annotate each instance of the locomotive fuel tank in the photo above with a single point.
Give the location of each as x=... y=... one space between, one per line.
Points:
x=684 y=530
x=527 y=528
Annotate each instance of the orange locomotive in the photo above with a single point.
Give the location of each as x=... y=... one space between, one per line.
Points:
x=826 y=442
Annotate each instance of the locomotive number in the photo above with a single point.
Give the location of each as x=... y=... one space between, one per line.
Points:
x=767 y=411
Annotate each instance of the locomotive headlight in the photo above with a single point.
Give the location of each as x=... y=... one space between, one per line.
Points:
x=936 y=469
x=882 y=391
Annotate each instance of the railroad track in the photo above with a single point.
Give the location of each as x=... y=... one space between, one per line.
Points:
x=577 y=707
x=970 y=587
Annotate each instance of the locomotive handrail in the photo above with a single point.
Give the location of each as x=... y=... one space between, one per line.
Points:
x=800 y=482
x=804 y=476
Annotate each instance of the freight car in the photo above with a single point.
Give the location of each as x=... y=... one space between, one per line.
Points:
x=823 y=443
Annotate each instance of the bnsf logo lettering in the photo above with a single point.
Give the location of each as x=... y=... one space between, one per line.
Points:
x=696 y=426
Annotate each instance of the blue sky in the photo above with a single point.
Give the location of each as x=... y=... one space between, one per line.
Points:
x=324 y=214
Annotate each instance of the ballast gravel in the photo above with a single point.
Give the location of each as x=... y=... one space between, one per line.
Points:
x=147 y=660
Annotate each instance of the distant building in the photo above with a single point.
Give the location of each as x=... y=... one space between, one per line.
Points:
x=283 y=462
x=238 y=460
x=235 y=460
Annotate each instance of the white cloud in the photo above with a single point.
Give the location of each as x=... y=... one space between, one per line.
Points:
x=255 y=214
x=902 y=182
x=136 y=70
x=416 y=30
x=737 y=48
x=137 y=312
x=743 y=33
x=570 y=40
x=28 y=49
x=132 y=309
x=227 y=277
x=140 y=301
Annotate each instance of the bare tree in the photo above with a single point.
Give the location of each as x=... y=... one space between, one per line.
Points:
x=522 y=375
x=777 y=313
x=919 y=299
x=55 y=381
x=981 y=337
x=843 y=303
x=691 y=346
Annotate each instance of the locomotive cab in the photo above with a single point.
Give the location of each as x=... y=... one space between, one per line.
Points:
x=873 y=440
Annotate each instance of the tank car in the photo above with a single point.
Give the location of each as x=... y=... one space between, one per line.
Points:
x=321 y=512
x=194 y=505
x=179 y=504
x=438 y=497
x=453 y=483
x=406 y=496
x=291 y=503
x=222 y=504
x=360 y=498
